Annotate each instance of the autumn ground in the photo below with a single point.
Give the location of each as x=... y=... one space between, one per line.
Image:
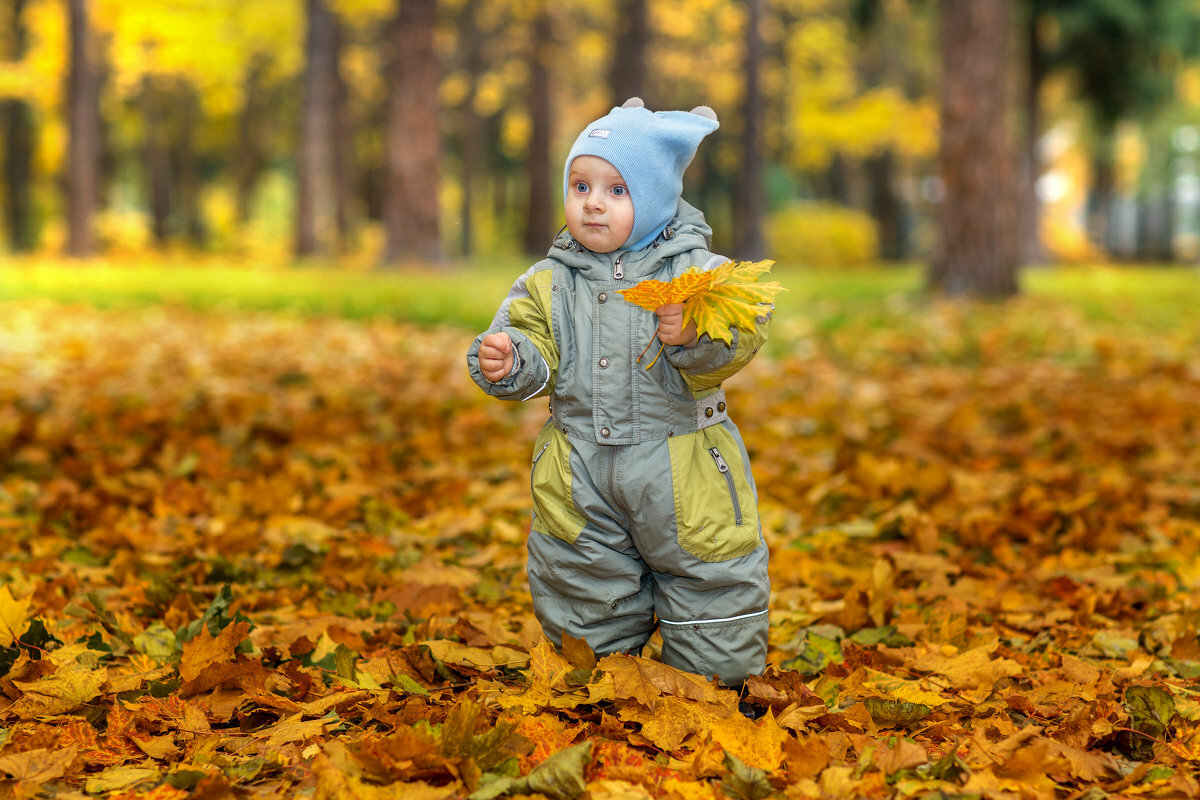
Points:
x=268 y=554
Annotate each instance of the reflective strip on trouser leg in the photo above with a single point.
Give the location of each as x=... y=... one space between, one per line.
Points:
x=711 y=606
x=732 y=649
x=717 y=630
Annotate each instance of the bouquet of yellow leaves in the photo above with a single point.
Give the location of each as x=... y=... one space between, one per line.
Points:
x=728 y=296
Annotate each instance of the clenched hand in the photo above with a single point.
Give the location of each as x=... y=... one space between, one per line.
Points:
x=495 y=356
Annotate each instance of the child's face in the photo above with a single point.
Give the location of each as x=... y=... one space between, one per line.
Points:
x=599 y=209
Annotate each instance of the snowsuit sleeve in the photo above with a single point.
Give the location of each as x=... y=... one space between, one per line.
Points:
x=525 y=316
x=708 y=363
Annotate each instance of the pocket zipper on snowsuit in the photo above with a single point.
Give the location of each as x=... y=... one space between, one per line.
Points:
x=536 y=459
x=723 y=468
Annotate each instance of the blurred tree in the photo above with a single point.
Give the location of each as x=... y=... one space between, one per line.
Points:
x=977 y=247
x=888 y=56
x=631 y=38
x=836 y=109
x=251 y=156
x=317 y=215
x=16 y=120
x=748 y=200
x=187 y=162
x=473 y=146
x=1036 y=70
x=1124 y=55
x=157 y=157
x=412 y=138
x=83 y=115
x=538 y=225
x=170 y=115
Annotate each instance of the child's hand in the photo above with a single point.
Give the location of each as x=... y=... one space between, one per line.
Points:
x=495 y=356
x=670 y=325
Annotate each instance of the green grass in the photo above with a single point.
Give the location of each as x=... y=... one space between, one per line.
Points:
x=828 y=301
x=453 y=295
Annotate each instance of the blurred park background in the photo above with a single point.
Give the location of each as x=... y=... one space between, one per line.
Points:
x=965 y=140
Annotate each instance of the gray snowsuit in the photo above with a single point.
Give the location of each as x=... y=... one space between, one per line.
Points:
x=645 y=510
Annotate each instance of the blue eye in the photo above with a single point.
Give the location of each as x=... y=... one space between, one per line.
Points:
x=581 y=187
x=620 y=191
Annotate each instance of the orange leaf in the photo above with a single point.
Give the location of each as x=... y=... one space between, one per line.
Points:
x=206 y=650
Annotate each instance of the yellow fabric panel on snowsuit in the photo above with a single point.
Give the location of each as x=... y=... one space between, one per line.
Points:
x=745 y=346
x=716 y=512
x=532 y=316
x=554 y=511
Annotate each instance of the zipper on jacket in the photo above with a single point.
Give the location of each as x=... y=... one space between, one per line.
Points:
x=723 y=468
x=536 y=459
x=618 y=273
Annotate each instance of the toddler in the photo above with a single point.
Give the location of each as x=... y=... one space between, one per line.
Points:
x=645 y=511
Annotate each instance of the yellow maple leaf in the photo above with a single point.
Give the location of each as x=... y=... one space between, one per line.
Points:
x=66 y=690
x=728 y=296
x=14 y=617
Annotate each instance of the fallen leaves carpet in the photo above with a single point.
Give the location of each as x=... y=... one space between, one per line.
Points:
x=272 y=556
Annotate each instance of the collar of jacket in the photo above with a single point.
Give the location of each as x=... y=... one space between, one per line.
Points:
x=687 y=231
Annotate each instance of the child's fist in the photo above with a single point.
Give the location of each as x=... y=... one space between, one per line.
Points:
x=495 y=356
x=670 y=325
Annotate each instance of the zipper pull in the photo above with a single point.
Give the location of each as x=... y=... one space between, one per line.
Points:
x=618 y=273
x=716 y=454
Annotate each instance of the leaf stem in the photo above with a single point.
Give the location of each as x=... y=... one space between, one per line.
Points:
x=656 y=355
x=647 y=347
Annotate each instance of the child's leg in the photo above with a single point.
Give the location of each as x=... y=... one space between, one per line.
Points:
x=697 y=528
x=591 y=592
x=715 y=623
x=586 y=577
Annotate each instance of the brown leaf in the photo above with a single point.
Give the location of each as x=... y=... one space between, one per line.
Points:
x=206 y=650
x=39 y=766
x=578 y=653
x=891 y=755
x=644 y=680
x=805 y=756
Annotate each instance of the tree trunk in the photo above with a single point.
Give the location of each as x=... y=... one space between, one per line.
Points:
x=344 y=163
x=885 y=206
x=17 y=122
x=187 y=166
x=473 y=144
x=977 y=249
x=316 y=213
x=1103 y=191
x=748 y=201
x=83 y=125
x=538 y=224
x=412 y=140
x=249 y=164
x=627 y=70
x=158 y=162
x=1030 y=207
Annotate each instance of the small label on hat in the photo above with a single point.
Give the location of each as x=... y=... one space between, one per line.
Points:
x=599 y=133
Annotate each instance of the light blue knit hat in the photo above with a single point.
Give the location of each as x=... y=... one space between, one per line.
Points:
x=650 y=150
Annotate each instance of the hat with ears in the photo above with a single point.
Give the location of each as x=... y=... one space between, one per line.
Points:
x=650 y=149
